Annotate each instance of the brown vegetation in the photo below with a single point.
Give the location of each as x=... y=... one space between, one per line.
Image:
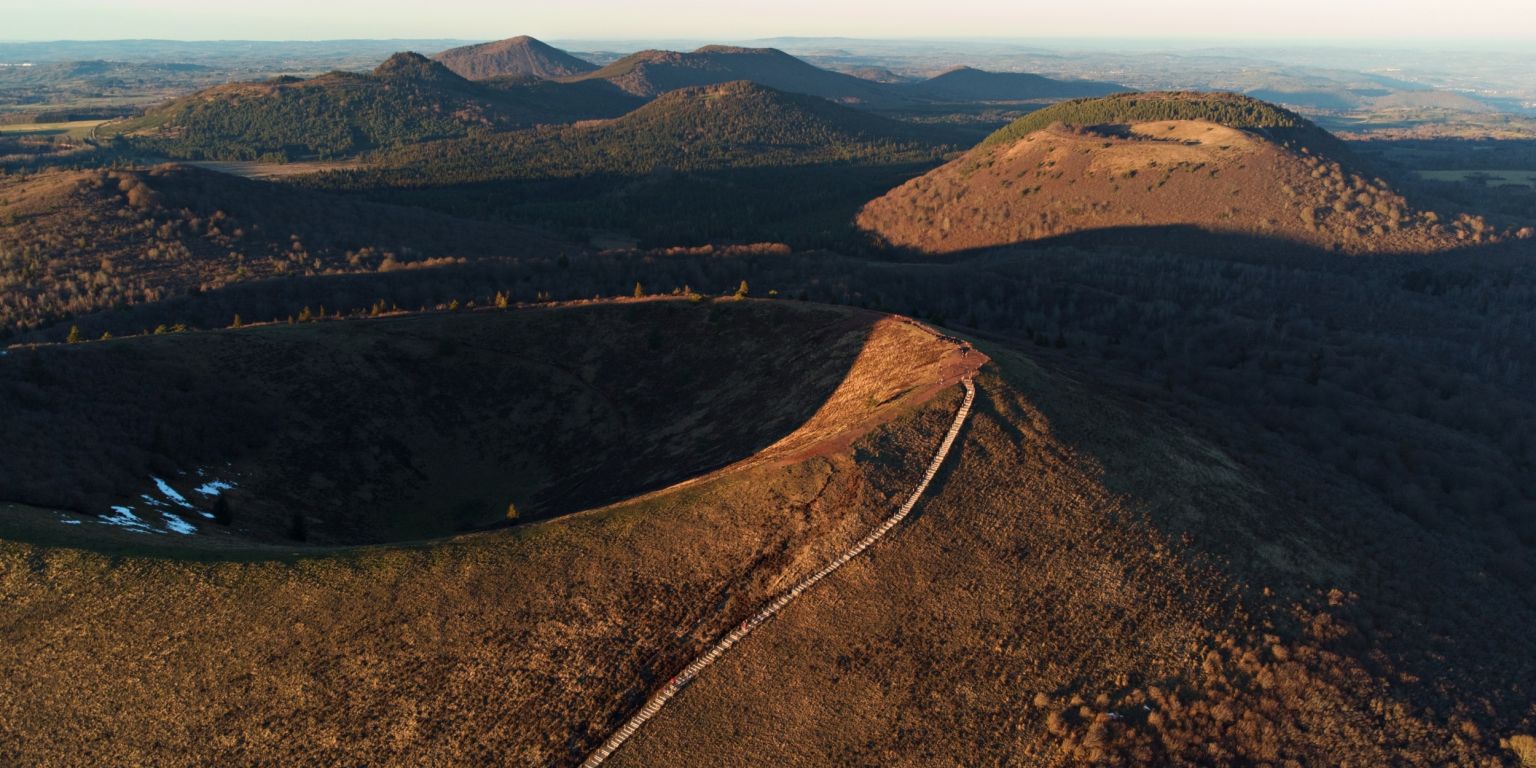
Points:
x=1041 y=617
x=522 y=645
x=74 y=242
x=1066 y=179
x=520 y=56
x=1089 y=581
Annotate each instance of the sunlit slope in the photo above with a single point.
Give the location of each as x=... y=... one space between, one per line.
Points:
x=516 y=646
x=1214 y=162
x=1090 y=584
x=1087 y=580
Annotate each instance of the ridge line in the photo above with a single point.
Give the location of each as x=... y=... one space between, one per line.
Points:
x=708 y=657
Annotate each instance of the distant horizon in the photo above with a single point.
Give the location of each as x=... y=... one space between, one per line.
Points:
x=1311 y=21
x=1147 y=41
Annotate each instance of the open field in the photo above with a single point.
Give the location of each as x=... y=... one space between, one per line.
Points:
x=79 y=129
x=258 y=170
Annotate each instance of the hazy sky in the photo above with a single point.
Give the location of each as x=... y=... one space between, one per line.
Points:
x=744 y=19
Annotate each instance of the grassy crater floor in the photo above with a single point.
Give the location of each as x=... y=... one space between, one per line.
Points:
x=427 y=425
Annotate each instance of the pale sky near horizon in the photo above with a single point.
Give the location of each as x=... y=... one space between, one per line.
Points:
x=1383 y=20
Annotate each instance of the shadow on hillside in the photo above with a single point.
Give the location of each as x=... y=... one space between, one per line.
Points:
x=1184 y=240
x=1315 y=420
x=805 y=205
x=414 y=427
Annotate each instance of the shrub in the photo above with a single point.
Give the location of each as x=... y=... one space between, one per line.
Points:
x=1524 y=747
x=221 y=513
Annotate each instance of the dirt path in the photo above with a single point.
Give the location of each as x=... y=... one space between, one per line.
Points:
x=676 y=684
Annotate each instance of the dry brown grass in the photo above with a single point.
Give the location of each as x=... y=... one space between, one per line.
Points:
x=1064 y=180
x=1031 y=615
x=521 y=647
x=1064 y=595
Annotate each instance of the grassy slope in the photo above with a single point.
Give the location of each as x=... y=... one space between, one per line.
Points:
x=1079 y=556
x=522 y=646
x=1218 y=162
x=1065 y=614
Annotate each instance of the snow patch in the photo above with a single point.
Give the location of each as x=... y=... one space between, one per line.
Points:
x=170 y=493
x=214 y=488
x=123 y=517
x=178 y=525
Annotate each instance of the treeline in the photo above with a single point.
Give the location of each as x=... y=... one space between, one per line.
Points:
x=1227 y=109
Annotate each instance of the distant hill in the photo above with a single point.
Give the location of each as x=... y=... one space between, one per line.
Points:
x=1348 y=99
x=651 y=73
x=969 y=84
x=879 y=75
x=1217 y=162
x=409 y=98
x=110 y=239
x=520 y=56
x=735 y=162
x=1428 y=99
x=731 y=125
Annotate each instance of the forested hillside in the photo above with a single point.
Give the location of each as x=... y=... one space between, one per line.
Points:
x=734 y=125
x=652 y=73
x=1229 y=109
x=76 y=242
x=736 y=161
x=407 y=99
